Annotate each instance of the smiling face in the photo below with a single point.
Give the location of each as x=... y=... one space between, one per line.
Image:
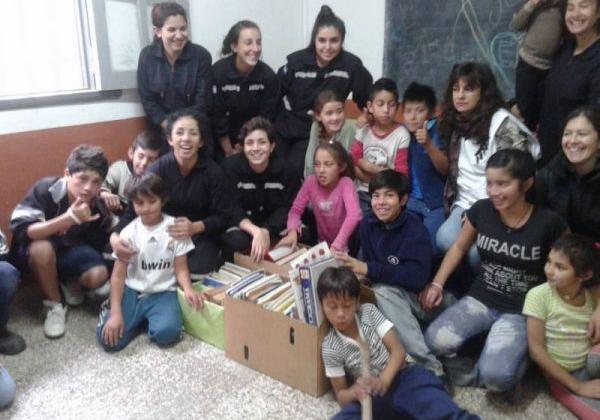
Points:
x=84 y=184
x=258 y=149
x=173 y=34
x=185 y=139
x=140 y=159
x=340 y=312
x=328 y=44
x=148 y=208
x=465 y=97
x=247 y=49
x=580 y=144
x=581 y=17
x=332 y=117
x=503 y=189
x=414 y=115
x=386 y=204
x=327 y=169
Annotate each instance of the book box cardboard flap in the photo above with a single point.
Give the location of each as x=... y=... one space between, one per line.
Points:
x=268 y=266
x=283 y=348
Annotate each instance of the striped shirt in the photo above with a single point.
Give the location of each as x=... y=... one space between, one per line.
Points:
x=341 y=354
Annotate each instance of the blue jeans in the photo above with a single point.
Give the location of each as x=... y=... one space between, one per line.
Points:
x=432 y=219
x=448 y=233
x=7 y=388
x=403 y=310
x=503 y=360
x=9 y=282
x=415 y=393
x=160 y=310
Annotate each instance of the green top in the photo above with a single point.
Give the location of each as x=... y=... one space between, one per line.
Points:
x=345 y=136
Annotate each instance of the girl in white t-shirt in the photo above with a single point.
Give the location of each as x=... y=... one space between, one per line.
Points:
x=144 y=289
x=558 y=319
x=474 y=124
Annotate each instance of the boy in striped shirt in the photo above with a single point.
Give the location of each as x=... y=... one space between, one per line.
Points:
x=397 y=390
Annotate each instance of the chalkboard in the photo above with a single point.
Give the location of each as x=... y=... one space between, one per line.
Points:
x=425 y=38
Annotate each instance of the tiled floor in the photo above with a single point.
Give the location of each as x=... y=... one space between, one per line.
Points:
x=72 y=378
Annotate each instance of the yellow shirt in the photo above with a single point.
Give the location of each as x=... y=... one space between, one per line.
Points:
x=566 y=325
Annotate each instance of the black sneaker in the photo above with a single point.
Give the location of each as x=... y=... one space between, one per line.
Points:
x=509 y=398
x=11 y=343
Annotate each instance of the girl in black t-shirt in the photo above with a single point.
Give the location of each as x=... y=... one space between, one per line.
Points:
x=513 y=238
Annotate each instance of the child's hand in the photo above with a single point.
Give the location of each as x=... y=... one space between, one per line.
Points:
x=422 y=135
x=261 y=243
x=377 y=386
x=113 y=330
x=194 y=298
x=124 y=250
x=359 y=268
x=431 y=296
x=360 y=389
x=291 y=240
x=80 y=212
x=365 y=118
x=589 y=389
x=181 y=229
x=112 y=201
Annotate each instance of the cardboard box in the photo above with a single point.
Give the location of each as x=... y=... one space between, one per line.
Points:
x=269 y=266
x=285 y=349
x=207 y=324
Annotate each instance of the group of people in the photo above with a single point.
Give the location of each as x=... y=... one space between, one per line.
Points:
x=456 y=223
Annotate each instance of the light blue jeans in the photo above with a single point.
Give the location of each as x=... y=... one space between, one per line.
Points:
x=503 y=360
x=448 y=233
x=7 y=388
x=403 y=310
x=432 y=219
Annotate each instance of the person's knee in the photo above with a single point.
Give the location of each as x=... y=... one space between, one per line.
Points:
x=7 y=388
x=41 y=252
x=10 y=278
x=166 y=330
x=444 y=237
x=94 y=277
x=236 y=240
x=442 y=339
x=496 y=376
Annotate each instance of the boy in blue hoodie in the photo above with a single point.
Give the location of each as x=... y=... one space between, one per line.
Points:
x=396 y=258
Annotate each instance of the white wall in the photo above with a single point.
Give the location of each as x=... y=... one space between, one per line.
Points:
x=285 y=26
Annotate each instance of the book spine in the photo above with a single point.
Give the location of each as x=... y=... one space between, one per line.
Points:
x=307 y=296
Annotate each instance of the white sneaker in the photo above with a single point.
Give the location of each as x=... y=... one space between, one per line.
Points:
x=54 y=325
x=72 y=293
x=99 y=293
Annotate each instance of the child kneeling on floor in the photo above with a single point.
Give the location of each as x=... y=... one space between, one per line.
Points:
x=144 y=289
x=397 y=390
x=558 y=315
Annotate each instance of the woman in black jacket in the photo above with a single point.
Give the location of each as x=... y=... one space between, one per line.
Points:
x=173 y=73
x=570 y=184
x=323 y=65
x=243 y=85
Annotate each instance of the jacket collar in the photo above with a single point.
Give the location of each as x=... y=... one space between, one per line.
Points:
x=396 y=224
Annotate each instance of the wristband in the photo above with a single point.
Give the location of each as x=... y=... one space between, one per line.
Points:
x=437 y=286
x=73 y=217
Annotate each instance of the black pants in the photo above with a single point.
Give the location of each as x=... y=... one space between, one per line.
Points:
x=529 y=89
x=206 y=256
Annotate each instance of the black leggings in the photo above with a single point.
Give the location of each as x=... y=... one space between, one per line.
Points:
x=529 y=90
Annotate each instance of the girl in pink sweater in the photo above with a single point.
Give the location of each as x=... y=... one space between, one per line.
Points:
x=332 y=195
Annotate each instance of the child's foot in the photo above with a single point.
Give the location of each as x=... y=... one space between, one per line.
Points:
x=11 y=343
x=460 y=370
x=100 y=293
x=507 y=398
x=72 y=293
x=54 y=325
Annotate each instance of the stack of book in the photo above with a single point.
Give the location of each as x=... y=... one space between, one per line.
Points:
x=267 y=290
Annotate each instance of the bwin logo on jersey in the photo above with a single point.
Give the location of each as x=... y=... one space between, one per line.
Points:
x=392 y=259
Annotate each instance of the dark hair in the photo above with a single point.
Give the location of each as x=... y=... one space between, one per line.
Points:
x=258 y=123
x=386 y=84
x=339 y=282
x=233 y=35
x=518 y=163
x=326 y=17
x=581 y=252
x=416 y=92
x=162 y=11
x=590 y=112
x=391 y=179
x=87 y=157
x=324 y=97
x=175 y=116
x=146 y=185
x=564 y=9
x=339 y=154
x=147 y=140
x=477 y=124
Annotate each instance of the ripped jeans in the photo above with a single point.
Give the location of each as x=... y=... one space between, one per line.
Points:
x=503 y=360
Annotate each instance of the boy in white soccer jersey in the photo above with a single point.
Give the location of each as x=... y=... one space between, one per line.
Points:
x=144 y=288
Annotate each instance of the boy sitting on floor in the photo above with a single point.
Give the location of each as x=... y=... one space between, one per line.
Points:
x=397 y=390
x=58 y=230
